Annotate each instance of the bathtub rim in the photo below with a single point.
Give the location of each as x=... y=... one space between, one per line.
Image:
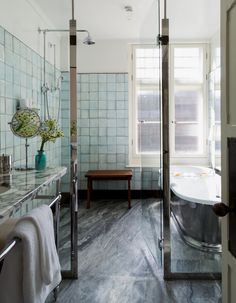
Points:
x=187 y=197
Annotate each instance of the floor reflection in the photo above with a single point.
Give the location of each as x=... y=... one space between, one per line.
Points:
x=120 y=260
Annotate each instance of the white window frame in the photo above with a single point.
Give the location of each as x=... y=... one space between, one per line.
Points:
x=153 y=160
x=198 y=158
x=136 y=159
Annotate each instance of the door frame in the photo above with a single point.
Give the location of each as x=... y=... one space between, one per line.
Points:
x=228 y=130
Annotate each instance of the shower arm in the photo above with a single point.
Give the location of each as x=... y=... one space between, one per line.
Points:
x=45 y=88
x=61 y=30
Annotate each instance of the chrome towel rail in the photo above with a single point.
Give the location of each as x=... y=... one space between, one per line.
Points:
x=8 y=247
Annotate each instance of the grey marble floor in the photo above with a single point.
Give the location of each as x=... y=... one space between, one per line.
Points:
x=119 y=258
x=191 y=260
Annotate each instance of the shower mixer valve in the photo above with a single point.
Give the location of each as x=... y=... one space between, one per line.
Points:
x=45 y=88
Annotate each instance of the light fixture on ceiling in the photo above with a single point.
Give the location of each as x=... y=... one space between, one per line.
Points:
x=129 y=11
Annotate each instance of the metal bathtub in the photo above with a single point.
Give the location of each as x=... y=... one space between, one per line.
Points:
x=193 y=192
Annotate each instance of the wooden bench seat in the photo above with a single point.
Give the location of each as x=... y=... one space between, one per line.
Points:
x=92 y=175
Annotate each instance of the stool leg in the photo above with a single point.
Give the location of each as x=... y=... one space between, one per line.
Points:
x=129 y=195
x=89 y=189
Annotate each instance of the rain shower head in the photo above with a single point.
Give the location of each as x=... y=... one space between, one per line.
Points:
x=88 y=40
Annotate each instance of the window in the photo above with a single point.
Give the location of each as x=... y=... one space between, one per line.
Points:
x=188 y=91
x=145 y=107
x=187 y=103
x=217 y=112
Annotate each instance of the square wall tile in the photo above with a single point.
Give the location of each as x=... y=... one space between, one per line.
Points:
x=8 y=40
x=2 y=53
x=2 y=36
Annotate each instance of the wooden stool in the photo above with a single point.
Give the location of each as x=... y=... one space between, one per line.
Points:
x=107 y=175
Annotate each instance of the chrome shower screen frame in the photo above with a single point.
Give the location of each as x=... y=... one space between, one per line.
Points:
x=73 y=153
x=167 y=272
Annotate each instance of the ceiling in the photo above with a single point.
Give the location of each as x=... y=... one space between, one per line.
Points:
x=107 y=19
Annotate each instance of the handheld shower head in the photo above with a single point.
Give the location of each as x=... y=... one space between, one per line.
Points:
x=88 y=40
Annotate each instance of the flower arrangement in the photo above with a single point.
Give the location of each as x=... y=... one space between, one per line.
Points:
x=50 y=132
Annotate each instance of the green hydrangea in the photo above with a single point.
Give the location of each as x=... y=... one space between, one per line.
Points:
x=50 y=132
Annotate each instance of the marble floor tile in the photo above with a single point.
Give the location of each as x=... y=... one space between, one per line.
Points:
x=120 y=260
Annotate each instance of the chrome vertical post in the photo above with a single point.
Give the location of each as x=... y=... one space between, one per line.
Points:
x=73 y=272
x=73 y=144
x=57 y=225
x=44 y=87
x=164 y=41
x=54 y=67
x=57 y=212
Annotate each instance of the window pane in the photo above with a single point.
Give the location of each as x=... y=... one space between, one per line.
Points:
x=186 y=52
x=147 y=65
x=147 y=78
x=187 y=138
x=147 y=75
x=185 y=62
x=217 y=105
x=148 y=137
x=217 y=138
x=148 y=106
x=188 y=94
x=187 y=105
x=188 y=75
x=188 y=65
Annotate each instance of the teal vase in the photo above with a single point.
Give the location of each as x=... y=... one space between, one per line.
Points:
x=40 y=160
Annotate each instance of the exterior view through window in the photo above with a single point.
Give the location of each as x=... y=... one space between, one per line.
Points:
x=147 y=98
x=187 y=101
x=188 y=86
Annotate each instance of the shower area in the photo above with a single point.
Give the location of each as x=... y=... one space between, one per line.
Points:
x=177 y=138
x=168 y=135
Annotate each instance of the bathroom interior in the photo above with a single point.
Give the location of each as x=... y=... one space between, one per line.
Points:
x=110 y=85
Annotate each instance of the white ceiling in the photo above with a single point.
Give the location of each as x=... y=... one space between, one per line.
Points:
x=107 y=19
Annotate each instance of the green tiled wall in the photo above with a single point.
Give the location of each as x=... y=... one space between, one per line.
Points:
x=21 y=77
x=102 y=129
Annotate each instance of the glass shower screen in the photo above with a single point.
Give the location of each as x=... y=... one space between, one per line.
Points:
x=148 y=131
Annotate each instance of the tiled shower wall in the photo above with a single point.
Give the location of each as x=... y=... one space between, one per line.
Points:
x=21 y=77
x=102 y=130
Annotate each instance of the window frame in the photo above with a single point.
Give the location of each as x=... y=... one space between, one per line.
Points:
x=136 y=159
x=198 y=158
x=153 y=160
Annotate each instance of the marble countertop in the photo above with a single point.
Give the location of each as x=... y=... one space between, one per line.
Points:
x=19 y=186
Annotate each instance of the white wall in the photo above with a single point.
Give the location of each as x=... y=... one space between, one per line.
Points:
x=103 y=57
x=22 y=18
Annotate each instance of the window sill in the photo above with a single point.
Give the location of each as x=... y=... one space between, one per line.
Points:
x=149 y=162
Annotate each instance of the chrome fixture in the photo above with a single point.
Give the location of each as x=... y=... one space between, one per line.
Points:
x=128 y=8
x=5 y=164
x=88 y=40
x=56 y=87
x=73 y=272
x=163 y=43
x=129 y=11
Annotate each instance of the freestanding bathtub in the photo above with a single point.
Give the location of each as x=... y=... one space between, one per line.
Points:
x=194 y=190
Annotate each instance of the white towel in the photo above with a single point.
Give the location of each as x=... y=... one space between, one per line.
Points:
x=31 y=270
